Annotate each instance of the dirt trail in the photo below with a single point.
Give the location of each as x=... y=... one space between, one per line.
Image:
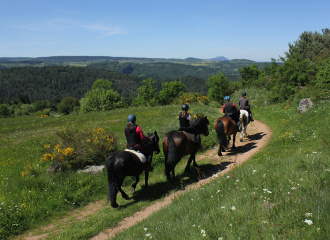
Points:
x=259 y=134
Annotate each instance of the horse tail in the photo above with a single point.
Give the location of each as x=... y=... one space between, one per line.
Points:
x=112 y=183
x=172 y=155
x=221 y=135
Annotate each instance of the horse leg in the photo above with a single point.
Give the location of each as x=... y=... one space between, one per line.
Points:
x=234 y=140
x=132 y=189
x=119 y=183
x=219 y=150
x=146 y=177
x=241 y=135
x=191 y=158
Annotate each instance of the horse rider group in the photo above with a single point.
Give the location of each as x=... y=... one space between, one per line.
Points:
x=136 y=140
x=229 y=108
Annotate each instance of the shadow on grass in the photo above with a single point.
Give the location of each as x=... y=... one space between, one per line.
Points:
x=160 y=189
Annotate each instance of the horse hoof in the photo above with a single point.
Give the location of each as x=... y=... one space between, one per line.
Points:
x=115 y=205
x=131 y=190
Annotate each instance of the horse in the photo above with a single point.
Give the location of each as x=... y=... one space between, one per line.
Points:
x=124 y=163
x=177 y=144
x=225 y=126
x=244 y=120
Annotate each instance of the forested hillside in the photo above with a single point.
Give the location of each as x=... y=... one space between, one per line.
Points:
x=47 y=83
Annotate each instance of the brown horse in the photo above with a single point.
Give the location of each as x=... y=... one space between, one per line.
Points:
x=225 y=126
x=177 y=144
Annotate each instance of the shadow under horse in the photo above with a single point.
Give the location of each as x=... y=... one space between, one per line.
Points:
x=177 y=144
x=225 y=127
x=124 y=163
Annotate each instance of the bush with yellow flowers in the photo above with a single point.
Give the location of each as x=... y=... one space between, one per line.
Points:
x=75 y=148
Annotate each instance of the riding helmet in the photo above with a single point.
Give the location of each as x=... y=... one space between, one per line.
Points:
x=243 y=94
x=131 y=118
x=185 y=107
x=227 y=98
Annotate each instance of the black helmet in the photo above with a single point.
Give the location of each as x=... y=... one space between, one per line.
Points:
x=131 y=118
x=243 y=94
x=185 y=107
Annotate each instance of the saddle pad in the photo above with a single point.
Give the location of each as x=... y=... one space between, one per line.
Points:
x=190 y=136
x=142 y=158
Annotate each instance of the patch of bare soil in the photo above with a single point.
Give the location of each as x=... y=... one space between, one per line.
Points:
x=258 y=136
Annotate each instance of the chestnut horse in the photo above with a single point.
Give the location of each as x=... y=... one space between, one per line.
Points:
x=176 y=145
x=122 y=163
x=225 y=126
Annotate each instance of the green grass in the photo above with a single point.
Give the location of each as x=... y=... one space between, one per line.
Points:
x=37 y=198
x=270 y=196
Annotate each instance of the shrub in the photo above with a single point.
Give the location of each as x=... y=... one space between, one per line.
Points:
x=74 y=148
x=4 y=111
x=67 y=105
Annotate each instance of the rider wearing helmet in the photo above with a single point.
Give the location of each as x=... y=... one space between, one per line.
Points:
x=185 y=121
x=228 y=109
x=136 y=140
x=243 y=103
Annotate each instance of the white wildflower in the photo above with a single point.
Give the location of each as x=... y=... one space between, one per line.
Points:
x=145 y=229
x=202 y=231
x=233 y=208
x=308 y=214
x=309 y=222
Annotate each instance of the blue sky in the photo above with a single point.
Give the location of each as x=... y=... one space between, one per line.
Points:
x=255 y=30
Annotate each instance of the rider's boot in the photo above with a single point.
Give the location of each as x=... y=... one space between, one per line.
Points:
x=251 y=118
x=149 y=168
x=198 y=139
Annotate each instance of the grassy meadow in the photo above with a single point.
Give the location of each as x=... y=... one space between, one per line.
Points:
x=30 y=197
x=282 y=192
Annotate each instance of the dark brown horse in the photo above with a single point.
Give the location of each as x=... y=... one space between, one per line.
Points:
x=122 y=163
x=225 y=127
x=177 y=144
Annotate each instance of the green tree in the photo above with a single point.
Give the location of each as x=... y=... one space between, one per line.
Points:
x=170 y=91
x=4 y=111
x=249 y=74
x=218 y=87
x=67 y=105
x=310 y=45
x=100 y=98
x=147 y=93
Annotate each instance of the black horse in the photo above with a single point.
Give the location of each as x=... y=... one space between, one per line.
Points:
x=178 y=144
x=123 y=163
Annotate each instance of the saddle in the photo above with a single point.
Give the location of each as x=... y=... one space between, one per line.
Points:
x=142 y=158
x=190 y=136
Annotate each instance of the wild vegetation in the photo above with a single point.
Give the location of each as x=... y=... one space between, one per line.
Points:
x=282 y=192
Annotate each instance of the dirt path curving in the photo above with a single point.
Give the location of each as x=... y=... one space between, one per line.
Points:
x=259 y=135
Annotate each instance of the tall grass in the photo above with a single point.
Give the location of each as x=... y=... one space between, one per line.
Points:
x=28 y=200
x=282 y=192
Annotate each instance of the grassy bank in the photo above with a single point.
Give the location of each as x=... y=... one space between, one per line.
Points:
x=282 y=192
x=30 y=197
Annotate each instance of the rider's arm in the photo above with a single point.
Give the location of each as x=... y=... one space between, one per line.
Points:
x=139 y=132
x=223 y=108
x=235 y=109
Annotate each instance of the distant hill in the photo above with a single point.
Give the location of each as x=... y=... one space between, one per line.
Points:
x=221 y=59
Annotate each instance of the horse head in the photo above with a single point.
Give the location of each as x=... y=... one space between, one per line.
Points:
x=201 y=125
x=153 y=140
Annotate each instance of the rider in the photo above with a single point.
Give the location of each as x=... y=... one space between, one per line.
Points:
x=243 y=103
x=137 y=141
x=228 y=109
x=185 y=121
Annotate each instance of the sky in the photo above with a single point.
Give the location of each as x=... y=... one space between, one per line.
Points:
x=254 y=30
